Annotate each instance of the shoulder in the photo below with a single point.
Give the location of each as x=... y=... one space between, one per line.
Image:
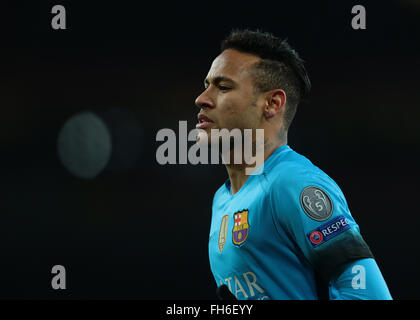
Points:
x=294 y=176
x=302 y=197
x=295 y=170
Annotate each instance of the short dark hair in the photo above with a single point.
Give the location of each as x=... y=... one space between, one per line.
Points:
x=280 y=66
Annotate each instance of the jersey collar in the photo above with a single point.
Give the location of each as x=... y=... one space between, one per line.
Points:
x=268 y=164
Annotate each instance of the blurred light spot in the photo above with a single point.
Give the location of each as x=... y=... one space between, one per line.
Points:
x=127 y=140
x=84 y=145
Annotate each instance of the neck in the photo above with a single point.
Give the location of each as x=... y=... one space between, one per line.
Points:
x=237 y=172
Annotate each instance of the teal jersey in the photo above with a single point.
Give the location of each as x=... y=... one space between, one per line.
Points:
x=281 y=230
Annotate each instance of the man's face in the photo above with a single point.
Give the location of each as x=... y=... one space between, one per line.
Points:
x=229 y=100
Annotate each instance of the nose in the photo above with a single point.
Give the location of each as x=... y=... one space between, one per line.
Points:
x=203 y=101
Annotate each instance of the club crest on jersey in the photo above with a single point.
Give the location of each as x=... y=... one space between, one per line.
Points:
x=240 y=227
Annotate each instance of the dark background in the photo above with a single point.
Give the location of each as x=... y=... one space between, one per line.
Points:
x=139 y=230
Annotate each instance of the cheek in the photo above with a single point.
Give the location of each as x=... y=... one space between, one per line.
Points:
x=233 y=112
x=247 y=117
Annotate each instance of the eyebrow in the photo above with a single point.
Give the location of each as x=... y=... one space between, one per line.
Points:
x=217 y=80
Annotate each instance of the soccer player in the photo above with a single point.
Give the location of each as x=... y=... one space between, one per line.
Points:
x=274 y=234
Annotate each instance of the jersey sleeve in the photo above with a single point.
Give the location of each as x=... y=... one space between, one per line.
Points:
x=360 y=280
x=312 y=209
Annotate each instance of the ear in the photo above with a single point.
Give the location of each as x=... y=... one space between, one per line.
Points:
x=275 y=102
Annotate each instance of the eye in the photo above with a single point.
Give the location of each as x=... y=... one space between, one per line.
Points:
x=223 y=88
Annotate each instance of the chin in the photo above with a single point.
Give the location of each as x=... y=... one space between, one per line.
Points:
x=203 y=138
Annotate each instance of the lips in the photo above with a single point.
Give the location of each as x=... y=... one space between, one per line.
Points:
x=204 y=122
